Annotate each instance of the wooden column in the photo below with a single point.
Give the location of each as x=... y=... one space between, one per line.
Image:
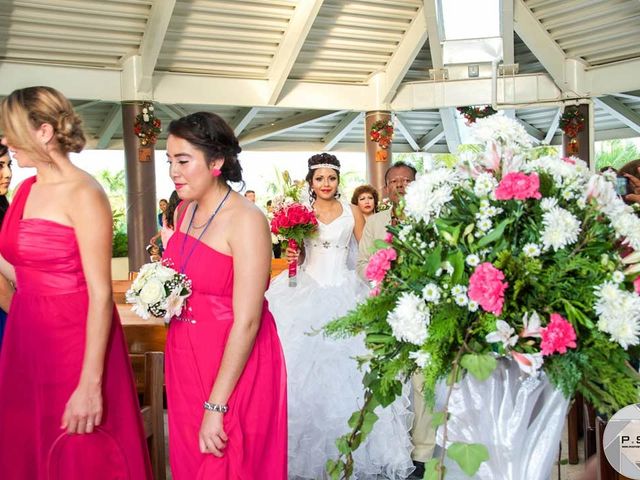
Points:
x=583 y=139
x=376 y=166
x=142 y=219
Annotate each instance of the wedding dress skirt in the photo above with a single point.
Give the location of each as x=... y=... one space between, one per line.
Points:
x=325 y=384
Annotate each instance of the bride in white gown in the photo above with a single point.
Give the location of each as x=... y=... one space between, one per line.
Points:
x=324 y=383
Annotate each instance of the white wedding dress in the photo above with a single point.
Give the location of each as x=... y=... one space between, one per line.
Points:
x=324 y=383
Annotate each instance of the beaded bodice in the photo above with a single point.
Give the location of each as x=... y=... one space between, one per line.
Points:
x=327 y=252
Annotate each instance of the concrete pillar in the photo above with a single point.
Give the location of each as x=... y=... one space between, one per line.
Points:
x=582 y=147
x=376 y=163
x=142 y=219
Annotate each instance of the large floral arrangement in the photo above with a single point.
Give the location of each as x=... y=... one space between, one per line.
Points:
x=572 y=122
x=382 y=133
x=147 y=126
x=506 y=254
x=158 y=291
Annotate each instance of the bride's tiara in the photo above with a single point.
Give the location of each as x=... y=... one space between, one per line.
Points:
x=324 y=165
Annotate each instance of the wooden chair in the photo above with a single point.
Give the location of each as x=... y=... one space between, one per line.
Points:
x=589 y=429
x=145 y=338
x=119 y=288
x=148 y=372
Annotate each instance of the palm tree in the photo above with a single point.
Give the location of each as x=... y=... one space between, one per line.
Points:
x=615 y=153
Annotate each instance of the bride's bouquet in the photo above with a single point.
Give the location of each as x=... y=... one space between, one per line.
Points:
x=510 y=253
x=158 y=291
x=294 y=222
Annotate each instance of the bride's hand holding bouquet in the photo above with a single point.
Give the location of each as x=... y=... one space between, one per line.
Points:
x=294 y=222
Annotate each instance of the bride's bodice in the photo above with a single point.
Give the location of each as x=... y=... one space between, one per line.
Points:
x=327 y=252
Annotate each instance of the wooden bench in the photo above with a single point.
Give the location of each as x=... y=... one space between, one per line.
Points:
x=148 y=371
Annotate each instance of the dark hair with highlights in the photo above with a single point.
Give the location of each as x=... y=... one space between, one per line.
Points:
x=366 y=189
x=210 y=134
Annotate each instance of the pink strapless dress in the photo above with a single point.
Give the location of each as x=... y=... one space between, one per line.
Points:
x=256 y=422
x=41 y=359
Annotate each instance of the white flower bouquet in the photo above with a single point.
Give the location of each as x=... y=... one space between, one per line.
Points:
x=158 y=291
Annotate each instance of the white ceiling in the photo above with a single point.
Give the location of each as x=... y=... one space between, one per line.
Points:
x=298 y=74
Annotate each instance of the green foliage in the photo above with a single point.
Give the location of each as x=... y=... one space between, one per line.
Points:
x=115 y=187
x=615 y=153
x=468 y=456
x=480 y=366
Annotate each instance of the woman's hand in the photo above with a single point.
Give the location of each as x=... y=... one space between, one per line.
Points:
x=292 y=254
x=212 y=437
x=83 y=411
x=634 y=185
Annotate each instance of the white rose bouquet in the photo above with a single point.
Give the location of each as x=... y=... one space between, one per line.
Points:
x=158 y=291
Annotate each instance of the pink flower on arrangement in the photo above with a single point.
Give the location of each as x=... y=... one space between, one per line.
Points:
x=388 y=238
x=557 y=336
x=569 y=160
x=486 y=287
x=636 y=285
x=379 y=264
x=519 y=186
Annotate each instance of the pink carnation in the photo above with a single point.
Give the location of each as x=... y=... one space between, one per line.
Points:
x=557 y=336
x=379 y=264
x=636 y=285
x=486 y=287
x=388 y=238
x=519 y=186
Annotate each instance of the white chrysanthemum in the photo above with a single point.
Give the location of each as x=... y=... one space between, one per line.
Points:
x=502 y=130
x=409 y=319
x=617 y=277
x=459 y=290
x=561 y=228
x=448 y=267
x=431 y=293
x=461 y=299
x=531 y=250
x=619 y=314
x=472 y=306
x=485 y=224
x=561 y=171
x=421 y=358
x=472 y=260
x=485 y=184
x=548 y=203
x=627 y=226
x=426 y=197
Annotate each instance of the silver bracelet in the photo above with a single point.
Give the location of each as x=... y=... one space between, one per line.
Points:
x=214 y=407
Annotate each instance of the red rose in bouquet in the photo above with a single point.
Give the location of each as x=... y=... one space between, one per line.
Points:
x=294 y=222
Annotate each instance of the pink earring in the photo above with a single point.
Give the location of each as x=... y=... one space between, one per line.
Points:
x=216 y=172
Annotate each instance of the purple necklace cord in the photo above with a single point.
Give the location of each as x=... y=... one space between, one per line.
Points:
x=184 y=261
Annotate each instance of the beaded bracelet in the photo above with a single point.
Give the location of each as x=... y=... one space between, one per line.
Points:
x=214 y=407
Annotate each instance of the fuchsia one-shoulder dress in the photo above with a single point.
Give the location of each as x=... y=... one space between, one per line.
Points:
x=256 y=422
x=41 y=359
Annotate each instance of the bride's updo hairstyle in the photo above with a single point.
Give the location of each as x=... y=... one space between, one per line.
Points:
x=321 y=160
x=211 y=135
x=29 y=108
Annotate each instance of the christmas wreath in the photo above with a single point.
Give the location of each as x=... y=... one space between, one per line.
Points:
x=382 y=133
x=473 y=113
x=572 y=122
x=147 y=126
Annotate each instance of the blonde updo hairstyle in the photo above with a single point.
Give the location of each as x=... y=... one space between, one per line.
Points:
x=29 y=108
